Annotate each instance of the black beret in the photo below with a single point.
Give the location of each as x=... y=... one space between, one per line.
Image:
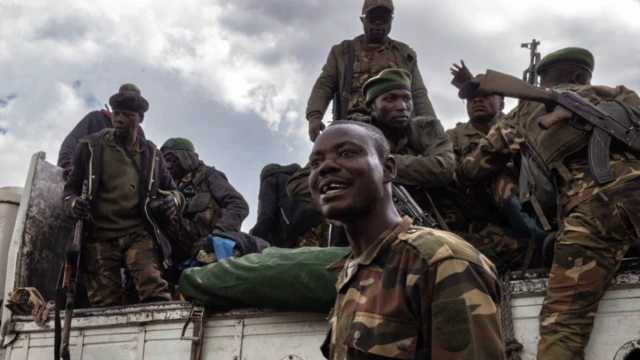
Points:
x=129 y=101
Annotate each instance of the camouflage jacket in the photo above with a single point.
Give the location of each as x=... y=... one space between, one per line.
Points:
x=504 y=142
x=331 y=79
x=416 y=293
x=211 y=203
x=424 y=158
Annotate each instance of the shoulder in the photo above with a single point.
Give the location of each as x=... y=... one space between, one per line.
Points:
x=434 y=246
x=404 y=48
x=457 y=130
x=427 y=124
x=95 y=137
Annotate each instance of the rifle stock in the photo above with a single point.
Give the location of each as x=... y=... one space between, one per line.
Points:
x=496 y=82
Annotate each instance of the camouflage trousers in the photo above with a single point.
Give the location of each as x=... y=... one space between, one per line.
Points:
x=316 y=236
x=594 y=238
x=499 y=244
x=139 y=254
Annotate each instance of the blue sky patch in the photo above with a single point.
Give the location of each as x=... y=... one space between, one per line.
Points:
x=5 y=100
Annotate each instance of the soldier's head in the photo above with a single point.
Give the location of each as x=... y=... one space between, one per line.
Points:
x=180 y=156
x=377 y=17
x=128 y=108
x=481 y=108
x=388 y=97
x=351 y=171
x=571 y=65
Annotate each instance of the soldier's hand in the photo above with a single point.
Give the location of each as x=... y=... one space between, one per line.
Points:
x=65 y=173
x=163 y=208
x=461 y=74
x=316 y=126
x=79 y=208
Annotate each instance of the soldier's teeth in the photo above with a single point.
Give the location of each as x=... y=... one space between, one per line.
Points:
x=332 y=191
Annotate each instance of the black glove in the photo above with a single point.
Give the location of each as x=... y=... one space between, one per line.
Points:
x=66 y=172
x=163 y=209
x=79 y=208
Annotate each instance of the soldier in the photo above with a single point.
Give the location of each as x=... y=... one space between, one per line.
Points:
x=283 y=221
x=93 y=122
x=351 y=63
x=404 y=291
x=597 y=223
x=131 y=199
x=212 y=203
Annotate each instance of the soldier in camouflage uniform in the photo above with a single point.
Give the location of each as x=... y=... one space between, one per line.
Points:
x=597 y=223
x=211 y=201
x=373 y=52
x=404 y=291
x=131 y=199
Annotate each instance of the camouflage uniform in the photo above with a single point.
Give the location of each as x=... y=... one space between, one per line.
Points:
x=316 y=236
x=597 y=223
x=415 y=293
x=140 y=255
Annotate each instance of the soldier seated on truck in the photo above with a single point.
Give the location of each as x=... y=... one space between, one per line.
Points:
x=131 y=199
x=403 y=291
x=211 y=202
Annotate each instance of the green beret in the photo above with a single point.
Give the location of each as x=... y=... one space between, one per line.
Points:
x=129 y=101
x=370 y=4
x=387 y=80
x=177 y=144
x=571 y=55
x=130 y=87
x=267 y=168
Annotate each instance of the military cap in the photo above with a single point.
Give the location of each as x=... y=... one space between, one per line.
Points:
x=571 y=55
x=129 y=101
x=370 y=4
x=387 y=80
x=267 y=168
x=130 y=87
x=177 y=144
x=469 y=89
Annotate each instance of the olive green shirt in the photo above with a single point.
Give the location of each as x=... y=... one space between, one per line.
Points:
x=118 y=199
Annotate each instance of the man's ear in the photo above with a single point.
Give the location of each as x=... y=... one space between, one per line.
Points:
x=501 y=107
x=389 y=168
x=362 y=19
x=141 y=118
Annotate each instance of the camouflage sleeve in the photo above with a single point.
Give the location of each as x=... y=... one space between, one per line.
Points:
x=491 y=155
x=421 y=102
x=298 y=185
x=460 y=314
x=453 y=135
x=326 y=85
x=435 y=166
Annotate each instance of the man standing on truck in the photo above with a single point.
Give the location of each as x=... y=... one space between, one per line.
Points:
x=351 y=63
x=211 y=202
x=93 y=122
x=404 y=291
x=597 y=222
x=131 y=199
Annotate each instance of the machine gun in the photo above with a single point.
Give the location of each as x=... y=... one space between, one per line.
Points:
x=530 y=75
x=406 y=205
x=66 y=289
x=602 y=125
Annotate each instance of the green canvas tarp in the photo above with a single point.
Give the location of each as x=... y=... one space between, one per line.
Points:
x=280 y=279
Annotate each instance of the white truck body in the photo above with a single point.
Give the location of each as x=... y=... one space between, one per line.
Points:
x=149 y=332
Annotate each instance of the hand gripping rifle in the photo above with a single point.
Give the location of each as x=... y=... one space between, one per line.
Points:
x=66 y=290
x=530 y=75
x=406 y=205
x=603 y=126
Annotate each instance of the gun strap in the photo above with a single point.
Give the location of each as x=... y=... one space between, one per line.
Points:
x=348 y=80
x=441 y=222
x=531 y=247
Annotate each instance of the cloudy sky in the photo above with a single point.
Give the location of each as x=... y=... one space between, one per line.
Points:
x=234 y=75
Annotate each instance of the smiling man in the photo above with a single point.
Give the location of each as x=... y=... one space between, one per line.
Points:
x=404 y=291
x=351 y=63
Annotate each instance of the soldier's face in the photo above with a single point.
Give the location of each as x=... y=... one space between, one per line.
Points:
x=377 y=24
x=125 y=122
x=348 y=177
x=174 y=166
x=392 y=110
x=484 y=108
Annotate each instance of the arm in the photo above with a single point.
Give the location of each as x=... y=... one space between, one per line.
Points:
x=325 y=87
x=166 y=184
x=267 y=208
x=435 y=166
x=421 y=102
x=453 y=135
x=234 y=207
x=491 y=156
x=298 y=185
x=73 y=186
x=459 y=301
x=88 y=125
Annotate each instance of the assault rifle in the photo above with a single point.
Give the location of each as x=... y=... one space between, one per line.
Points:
x=602 y=125
x=66 y=290
x=406 y=205
x=530 y=75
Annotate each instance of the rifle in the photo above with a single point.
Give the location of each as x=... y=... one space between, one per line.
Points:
x=66 y=290
x=603 y=126
x=406 y=205
x=530 y=75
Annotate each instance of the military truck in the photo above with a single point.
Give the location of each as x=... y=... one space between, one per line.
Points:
x=165 y=331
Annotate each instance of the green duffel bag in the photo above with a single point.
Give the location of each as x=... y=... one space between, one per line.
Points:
x=277 y=278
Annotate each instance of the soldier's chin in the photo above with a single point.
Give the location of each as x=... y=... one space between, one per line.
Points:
x=340 y=212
